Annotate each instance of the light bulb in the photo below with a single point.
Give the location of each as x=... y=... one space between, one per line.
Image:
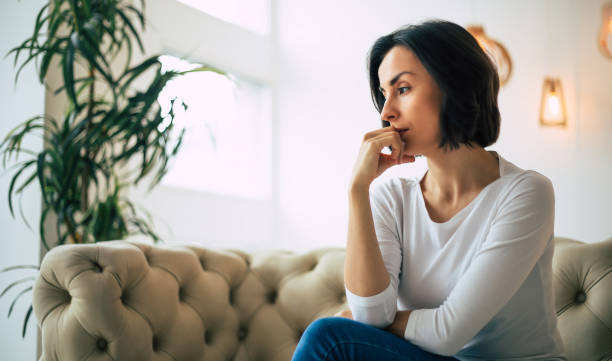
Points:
x=552 y=109
x=495 y=50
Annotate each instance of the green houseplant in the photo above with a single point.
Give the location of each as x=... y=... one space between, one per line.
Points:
x=109 y=125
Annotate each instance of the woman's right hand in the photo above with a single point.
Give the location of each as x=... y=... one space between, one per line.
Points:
x=371 y=162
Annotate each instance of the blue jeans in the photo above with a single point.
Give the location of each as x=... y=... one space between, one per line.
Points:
x=342 y=339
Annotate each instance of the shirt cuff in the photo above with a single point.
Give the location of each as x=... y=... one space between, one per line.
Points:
x=377 y=299
x=410 y=333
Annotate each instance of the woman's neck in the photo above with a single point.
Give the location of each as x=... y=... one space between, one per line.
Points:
x=455 y=174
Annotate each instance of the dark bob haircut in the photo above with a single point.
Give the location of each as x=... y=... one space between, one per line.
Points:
x=464 y=73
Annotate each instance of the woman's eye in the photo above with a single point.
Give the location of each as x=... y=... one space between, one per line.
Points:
x=404 y=89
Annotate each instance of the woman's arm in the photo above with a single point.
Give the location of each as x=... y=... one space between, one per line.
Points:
x=365 y=273
x=397 y=327
x=520 y=233
x=364 y=270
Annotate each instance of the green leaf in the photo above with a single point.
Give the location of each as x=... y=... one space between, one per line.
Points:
x=12 y=185
x=68 y=66
x=127 y=22
x=18 y=267
x=46 y=59
x=26 y=183
x=135 y=71
x=25 y=321
x=22 y=280
x=31 y=57
x=203 y=68
x=46 y=184
x=138 y=13
x=41 y=226
x=38 y=24
x=24 y=291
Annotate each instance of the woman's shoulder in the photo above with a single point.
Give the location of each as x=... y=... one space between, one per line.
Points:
x=517 y=181
x=396 y=186
x=394 y=190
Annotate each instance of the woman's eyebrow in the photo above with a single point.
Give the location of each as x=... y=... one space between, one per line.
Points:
x=396 y=78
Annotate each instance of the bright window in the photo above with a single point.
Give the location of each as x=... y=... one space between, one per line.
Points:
x=226 y=145
x=249 y=14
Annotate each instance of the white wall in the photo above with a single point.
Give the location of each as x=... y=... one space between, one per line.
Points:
x=19 y=244
x=325 y=108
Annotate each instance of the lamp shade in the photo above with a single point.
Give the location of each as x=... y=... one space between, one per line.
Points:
x=605 y=34
x=495 y=50
x=552 y=107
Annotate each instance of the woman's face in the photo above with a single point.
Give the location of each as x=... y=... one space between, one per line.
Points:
x=412 y=100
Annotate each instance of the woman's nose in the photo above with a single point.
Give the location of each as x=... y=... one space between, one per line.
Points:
x=388 y=112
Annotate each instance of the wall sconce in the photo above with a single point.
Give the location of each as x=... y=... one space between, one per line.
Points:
x=496 y=51
x=605 y=34
x=552 y=108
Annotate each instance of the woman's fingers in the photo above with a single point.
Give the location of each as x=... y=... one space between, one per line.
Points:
x=389 y=139
x=345 y=314
x=371 y=162
x=377 y=132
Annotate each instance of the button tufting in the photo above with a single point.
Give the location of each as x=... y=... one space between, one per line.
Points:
x=155 y=343
x=231 y=297
x=97 y=267
x=101 y=344
x=242 y=333
x=272 y=296
x=580 y=297
x=208 y=337
x=342 y=298
x=314 y=265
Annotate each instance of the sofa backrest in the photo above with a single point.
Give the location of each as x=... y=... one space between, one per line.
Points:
x=134 y=301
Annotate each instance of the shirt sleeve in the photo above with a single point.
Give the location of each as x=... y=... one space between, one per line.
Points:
x=519 y=233
x=379 y=310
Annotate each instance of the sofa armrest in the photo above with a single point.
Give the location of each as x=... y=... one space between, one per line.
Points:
x=135 y=300
x=583 y=295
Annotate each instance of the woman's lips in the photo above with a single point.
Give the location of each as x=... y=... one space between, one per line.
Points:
x=402 y=131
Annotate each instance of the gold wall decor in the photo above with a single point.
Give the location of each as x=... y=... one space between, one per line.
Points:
x=496 y=51
x=605 y=34
x=552 y=107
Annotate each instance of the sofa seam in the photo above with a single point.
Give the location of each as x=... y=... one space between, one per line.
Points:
x=594 y=283
x=168 y=353
x=598 y=317
x=141 y=315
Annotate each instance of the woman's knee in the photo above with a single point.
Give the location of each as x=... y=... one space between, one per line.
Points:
x=321 y=327
x=326 y=328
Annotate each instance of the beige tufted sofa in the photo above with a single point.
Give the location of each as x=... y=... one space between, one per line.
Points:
x=131 y=301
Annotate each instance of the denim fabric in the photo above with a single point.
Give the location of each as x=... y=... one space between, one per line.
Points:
x=342 y=339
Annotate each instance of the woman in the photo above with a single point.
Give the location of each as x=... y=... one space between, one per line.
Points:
x=456 y=264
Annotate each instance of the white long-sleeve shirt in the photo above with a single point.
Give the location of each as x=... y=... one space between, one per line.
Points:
x=479 y=285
